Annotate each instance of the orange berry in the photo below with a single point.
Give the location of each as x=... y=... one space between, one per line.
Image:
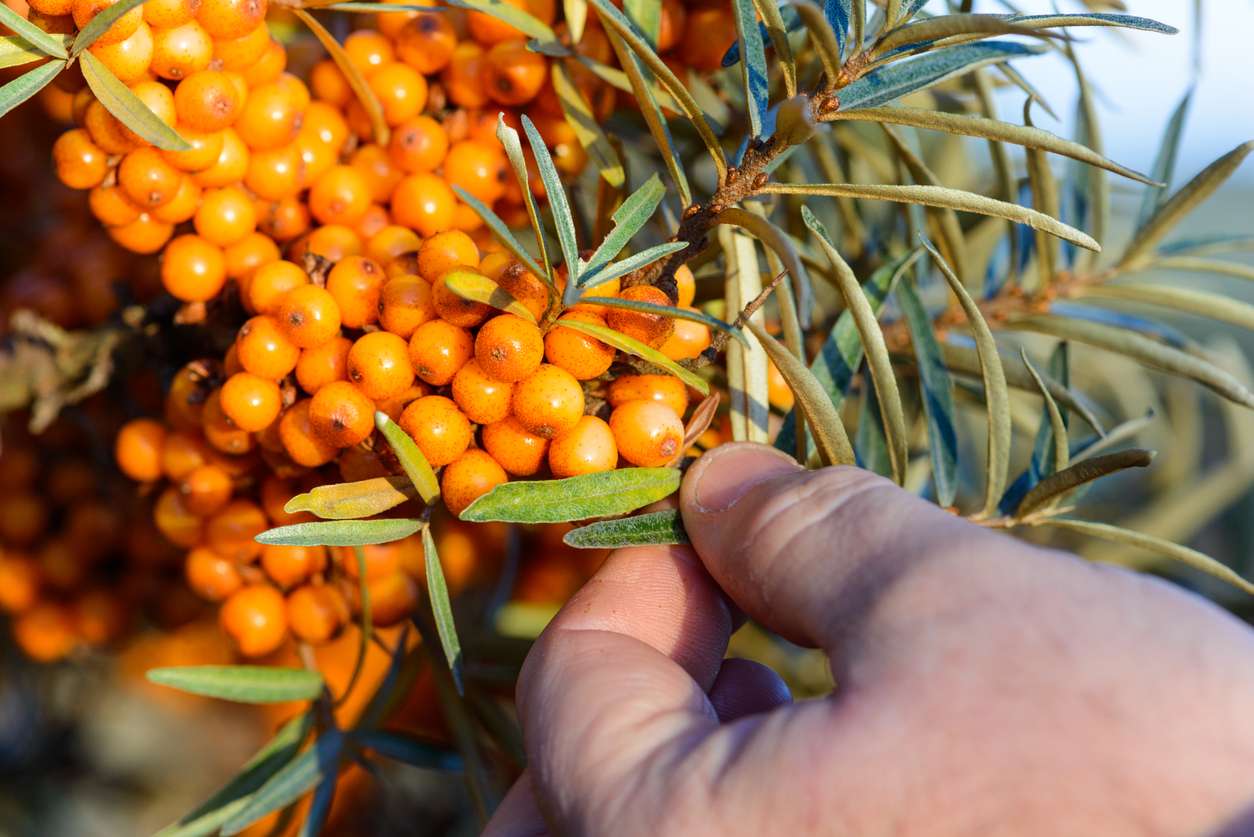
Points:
x=373 y=162
x=269 y=67
x=587 y=448
x=425 y=203
x=211 y=576
x=355 y=283
x=207 y=101
x=481 y=397
x=329 y=84
x=580 y=354
x=477 y=167
x=106 y=131
x=255 y=618
x=375 y=219
x=148 y=179
x=333 y=242
x=174 y=520
x=663 y=389
x=308 y=316
x=393 y=599
x=316 y=612
x=264 y=350
x=250 y=401
x=239 y=54
x=404 y=304
x=231 y=165
x=192 y=269
x=231 y=531
x=270 y=117
x=390 y=242
x=220 y=431
x=341 y=195
x=400 y=89
x=182 y=453
x=19 y=583
x=368 y=50
x=129 y=59
x=456 y=309
x=137 y=449
x=445 y=251
x=301 y=442
x=182 y=207
x=650 y=329
x=288 y=566
x=509 y=348
x=225 y=216
x=246 y=256
x=381 y=560
x=181 y=51
x=708 y=34
x=324 y=364
x=165 y=14
x=687 y=284
x=468 y=478
x=441 y=431
x=23 y=517
x=144 y=235
x=437 y=349
x=513 y=73
x=488 y=29
x=227 y=19
x=522 y=285
x=278 y=173
x=517 y=450
x=46 y=632
x=80 y=163
x=379 y=365
x=285 y=219
x=341 y=414
x=120 y=30
x=426 y=42
x=687 y=340
x=206 y=489
x=648 y=434
x=418 y=145
x=549 y=401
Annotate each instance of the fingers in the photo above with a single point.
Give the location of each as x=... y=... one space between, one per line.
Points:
x=618 y=681
x=517 y=815
x=746 y=687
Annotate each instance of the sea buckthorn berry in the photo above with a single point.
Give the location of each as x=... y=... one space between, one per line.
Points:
x=687 y=340
x=182 y=453
x=81 y=164
x=174 y=520
x=165 y=14
x=23 y=518
x=269 y=67
x=316 y=612
x=427 y=42
x=106 y=131
x=375 y=219
x=509 y=348
x=514 y=74
x=381 y=560
x=19 y=583
x=231 y=166
x=648 y=434
x=227 y=19
x=373 y=162
x=207 y=101
x=275 y=494
x=368 y=50
x=650 y=329
x=477 y=167
x=441 y=430
x=129 y=59
x=301 y=442
x=184 y=402
x=277 y=173
x=180 y=51
x=250 y=401
x=333 y=242
x=393 y=599
x=355 y=283
x=137 y=449
x=316 y=157
x=324 y=364
x=263 y=349
x=238 y=54
x=206 y=489
x=192 y=269
x=269 y=118
x=425 y=203
x=255 y=618
x=549 y=401
x=404 y=304
x=391 y=242
x=580 y=354
x=59 y=566
x=523 y=286
x=468 y=478
x=46 y=632
x=225 y=216
x=220 y=431
x=418 y=145
x=230 y=532
x=444 y=251
x=481 y=397
x=379 y=365
x=308 y=316
x=708 y=34
x=437 y=349
x=587 y=448
x=182 y=207
x=456 y=309
x=245 y=256
x=211 y=576
x=120 y=30
x=488 y=29
x=687 y=284
x=341 y=414
x=400 y=89
x=288 y=566
x=663 y=389
x=464 y=76
x=340 y=196
x=144 y=235
x=52 y=8
x=285 y=219
x=519 y=451
x=204 y=152
x=329 y=84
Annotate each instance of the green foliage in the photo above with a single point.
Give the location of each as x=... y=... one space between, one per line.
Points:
x=245 y=684
x=574 y=498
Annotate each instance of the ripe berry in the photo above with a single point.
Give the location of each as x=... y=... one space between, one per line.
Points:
x=580 y=354
x=393 y=599
x=137 y=449
x=19 y=583
x=245 y=256
x=225 y=216
x=301 y=442
x=390 y=242
x=323 y=364
x=180 y=51
x=277 y=173
x=174 y=520
x=355 y=283
x=341 y=195
x=469 y=477
x=182 y=206
x=418 y=145
x=477 y=167
x=271 y=282
x=131 y=58
x=488 y=29
x=250 y=401
x=239 y=54
x=483 y=398
x=269 y=67
x=255 y=617
x=341 y=414
x=687 y=284
x=46 y=632
x=368 y=50
x=165 y=14
x=220 y=431
x=519 y=283
x=308 y=316
x=379 y=365
x=206 y=489
x=426 y=42
x=587 y=448
x=316 y=612
x=549 y=401
x=650 y=329
x=401 y=90
x=441 y=431
x=456 y=309
x=207 y=101
x=144 y=235
x=514 y=74
x=111 y=206
x=232 y=530
x=264 y=350
x=405 y=303
x=663 y=389
x=687 y=341
x=288 y=566
x=437 y=349
x=227 y=19
x=120 y=30
x=192 y=269
x=148 y=179
x=647 y=433
x=211 y=576
x=509 y=348
x=270 y=117
x=424 y=202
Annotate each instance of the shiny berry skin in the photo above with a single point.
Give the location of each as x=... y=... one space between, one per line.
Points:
x=316 y=612
x=355 y=283
x=137 y=449
x=441 y=431
x=405 y=303
x=418 y=145
x=304 y=445
x=509 y=348
x=192 y=269
x=648 y=434
x=378 y=363
x=580 y=354
x=664 y=389
x=323 y=364
x=250 y=401
x=650 y=329
x=255 y=617
x=587 y=448
x=437 y=349
x=469 y=477
x=425 y=203
x=308 y=316
x=481 y=397
x=548 y=402
x=341 y=414
x=211 y=576
x=288 y=566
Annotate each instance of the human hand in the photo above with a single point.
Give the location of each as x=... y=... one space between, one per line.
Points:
x=983 y=685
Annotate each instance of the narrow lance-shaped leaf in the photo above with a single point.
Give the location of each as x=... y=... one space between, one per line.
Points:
x=647 y=15
x=294 y=780
x=632 y=346
x=869 y=442
x=628 y=220
x=442 y=609
x=576 y=15
x=830 y=437
x=583 y=122
x=242 y=684
x=929 y=30
x=634 y=262
x=15 y=52
x=748 y=385
x=753 y=64
x=937 y=395
x=996 y=394
x=28 y=84
x=356 y=81
x=515 y=16
x=1088 y=126
x=340 y=532
x=1045 y=199
x=673 y=312
x=319 y=807
x=895 y=80
x=501 y=232
x=1213 y=306
x=1067 y=479
x=1122 y=21
x=878 y=361
x=563 y=221
x=838 y=14
x=100 y=23
x=118 y=99
x=45 y=42
x=775 y=238
x=1053 y=431
x=823 y=38
x=472 y=285
x=1149 y=543
x=351 y=500
x=1165 y=163
x=575 y=498
x=408 y=749
x=413 y=463
x=776 y=28
x=652 y=529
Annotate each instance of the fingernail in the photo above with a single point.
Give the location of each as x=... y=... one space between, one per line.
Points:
x=726 y=474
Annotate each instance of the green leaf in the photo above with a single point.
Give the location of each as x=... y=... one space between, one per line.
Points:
x=632 y=346
x=233 y=796
x=242 y=684
x=634 y=262
x=294 y=780
x=937 y=390
x=752 y=65
x=15 y=52
x=126 y=106
x=1165 y=163
x=652 y=529
x=778 y=241
x=353 y=500
x=340 y=532
x=944 y=197
x=1053 y=432
x=925 y=32
x=838 y=14
x=1045 y=198
x=1065 y=480
x=28 y=84
x=563 y=221
x=900 y=78
x=516 y=17
x=1196 y=265
x=500 y=230
x=472 y=285
x=828 y=40
x=673 y=312
x=408 y=749
x=647 y=15
x=1144 y=24
x=99 y=24
x=628 y=220
x=48 y=44
x=352 y=74
x=1149 y=543
x=442 y=609
x=575 y=498
x=774 y=25
x=413 y=463
x=1217 y=307
x=830 y=437
x=869 y=441
x=584 y=123
x=319 y=807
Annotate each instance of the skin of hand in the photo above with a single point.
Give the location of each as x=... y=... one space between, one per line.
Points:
x=984 y=686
